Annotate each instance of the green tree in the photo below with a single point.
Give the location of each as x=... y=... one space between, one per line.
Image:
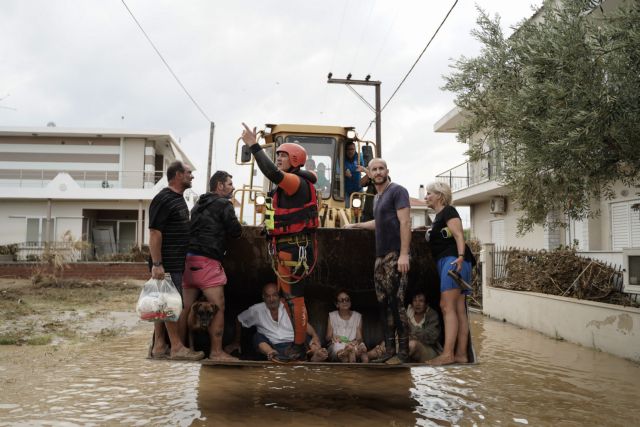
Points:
x=560 y=101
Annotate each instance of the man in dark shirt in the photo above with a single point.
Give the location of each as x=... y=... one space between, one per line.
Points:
x=213 y=220
x=168 y=240
x=392 y=224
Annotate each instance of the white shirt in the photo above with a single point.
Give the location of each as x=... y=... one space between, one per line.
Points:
x=277 y=332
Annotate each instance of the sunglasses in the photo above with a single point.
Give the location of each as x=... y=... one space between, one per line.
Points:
x=344 y=299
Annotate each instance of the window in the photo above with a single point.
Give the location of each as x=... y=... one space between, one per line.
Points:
x=497 y=232
x=578 y=233
x=631 y=268
x=625 y=225
x=36 y=231
x=320 y=153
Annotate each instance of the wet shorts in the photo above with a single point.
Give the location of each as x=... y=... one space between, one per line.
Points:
x=201 y=272
x=446 y=281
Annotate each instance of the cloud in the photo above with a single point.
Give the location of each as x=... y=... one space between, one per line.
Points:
x=86 y=64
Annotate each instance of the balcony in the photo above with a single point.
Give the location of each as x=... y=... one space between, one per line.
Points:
x=31 y=178
x=471 y=174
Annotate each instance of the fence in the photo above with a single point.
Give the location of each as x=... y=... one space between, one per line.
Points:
x=77 y=251
x=489 y=167
x=561 y=272
x=68 y=251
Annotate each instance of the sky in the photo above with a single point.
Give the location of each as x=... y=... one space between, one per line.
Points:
x=86 y=64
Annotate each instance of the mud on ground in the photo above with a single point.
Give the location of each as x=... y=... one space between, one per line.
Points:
x=66 y=311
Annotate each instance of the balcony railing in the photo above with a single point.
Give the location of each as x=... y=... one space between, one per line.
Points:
x=470 y=173
x=39 y=178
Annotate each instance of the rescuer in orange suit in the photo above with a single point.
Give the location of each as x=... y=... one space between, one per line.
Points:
x=291 y=220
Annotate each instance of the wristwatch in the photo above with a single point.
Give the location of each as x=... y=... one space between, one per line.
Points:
x=157 y=263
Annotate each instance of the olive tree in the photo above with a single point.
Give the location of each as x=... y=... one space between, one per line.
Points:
x=560 y=100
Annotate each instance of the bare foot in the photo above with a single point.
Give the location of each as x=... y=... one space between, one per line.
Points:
x=361 y=349
x=443 y=359
x=461 y=359
x=376 y=351
x=159 y=352
x=319 y=355
x=221 y=356
x=343 y=355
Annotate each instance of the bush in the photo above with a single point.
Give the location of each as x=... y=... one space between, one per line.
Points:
x=134 y=255
x=10 y=249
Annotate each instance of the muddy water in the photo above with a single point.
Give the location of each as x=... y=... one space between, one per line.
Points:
x=522 y=378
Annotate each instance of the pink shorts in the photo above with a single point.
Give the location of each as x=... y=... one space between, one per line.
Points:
x=201 y=272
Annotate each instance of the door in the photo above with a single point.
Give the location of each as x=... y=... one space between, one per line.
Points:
x=103 y=240
x=126 y=235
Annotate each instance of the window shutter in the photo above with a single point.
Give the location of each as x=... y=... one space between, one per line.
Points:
x=634 y=217
x=625 y=225
x=497 y=232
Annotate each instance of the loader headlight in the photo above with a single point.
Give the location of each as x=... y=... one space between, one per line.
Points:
x=357 y=203
x=260 y=200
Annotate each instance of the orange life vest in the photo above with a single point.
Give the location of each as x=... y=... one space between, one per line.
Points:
x=288 y=221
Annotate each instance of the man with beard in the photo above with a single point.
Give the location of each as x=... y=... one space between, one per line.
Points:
x=274 y=331
x=392 y=224
x=213 y=220
x=168 y=240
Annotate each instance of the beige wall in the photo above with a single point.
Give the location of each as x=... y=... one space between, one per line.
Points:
x=13 y=223
x=68 y=216
x=605 y=327
x=132 y=162
x=481 y=226
x=599 y=228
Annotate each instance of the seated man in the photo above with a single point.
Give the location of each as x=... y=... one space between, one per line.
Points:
x=274 y=336
x=424 y=330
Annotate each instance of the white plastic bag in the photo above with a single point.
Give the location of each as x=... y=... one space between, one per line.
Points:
x=159 y=301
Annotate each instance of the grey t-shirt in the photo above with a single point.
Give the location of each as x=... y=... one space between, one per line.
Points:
x=385 y=213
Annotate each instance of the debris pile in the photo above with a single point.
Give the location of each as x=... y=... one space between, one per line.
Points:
x=560 y=272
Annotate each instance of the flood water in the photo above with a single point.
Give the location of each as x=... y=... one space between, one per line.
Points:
x=522 y=378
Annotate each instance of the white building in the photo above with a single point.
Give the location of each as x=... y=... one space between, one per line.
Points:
x=493 y=215
x=93 y=184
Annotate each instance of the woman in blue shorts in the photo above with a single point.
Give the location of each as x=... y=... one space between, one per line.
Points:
x=450 y=253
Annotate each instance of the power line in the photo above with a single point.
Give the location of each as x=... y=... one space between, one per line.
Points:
x=384 y=40
x=371 y=107
x=420 y=56
x=166 y=63
x=335 y=50
x=364 y=28
x=367 y=130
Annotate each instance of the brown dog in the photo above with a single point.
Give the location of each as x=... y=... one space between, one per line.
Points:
x=200 y=317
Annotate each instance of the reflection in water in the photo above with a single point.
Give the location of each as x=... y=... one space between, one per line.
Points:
x=279 y=395
x=522 y=378
x=114 y=385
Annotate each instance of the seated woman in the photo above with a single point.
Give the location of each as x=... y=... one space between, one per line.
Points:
x=344 y=332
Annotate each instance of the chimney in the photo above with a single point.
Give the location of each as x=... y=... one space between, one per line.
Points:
x=421 y=192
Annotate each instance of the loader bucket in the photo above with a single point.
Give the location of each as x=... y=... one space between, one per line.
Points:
x=346 y=260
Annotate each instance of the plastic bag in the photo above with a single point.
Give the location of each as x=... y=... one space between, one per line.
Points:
x=159 y=301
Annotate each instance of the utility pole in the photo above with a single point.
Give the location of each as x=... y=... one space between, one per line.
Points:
x=211 y=131
x=366 y=82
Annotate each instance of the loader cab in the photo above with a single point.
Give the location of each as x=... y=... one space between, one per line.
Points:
x=325 y=147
